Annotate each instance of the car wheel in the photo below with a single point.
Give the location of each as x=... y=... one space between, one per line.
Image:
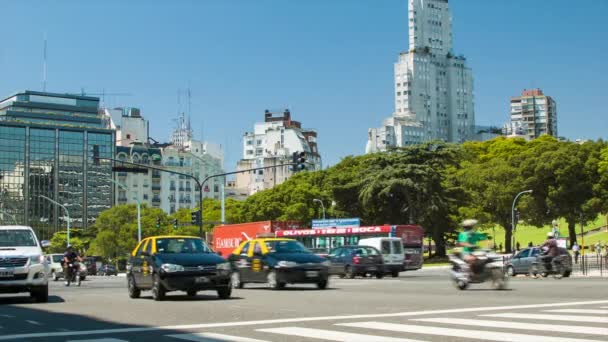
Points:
x=40 y=294
x=395 y=274
x=273 y=282
x=235 y=280
x=191 y=293
x=322 y=284
x=82 y=278
x=348 y=272
x=134 y=292
x=499 y=279
x=158 y=290
x=54 y=275
x=379 y=275
x=224 y=292
x=567 y=274
x=511 y=271
x=462 y=285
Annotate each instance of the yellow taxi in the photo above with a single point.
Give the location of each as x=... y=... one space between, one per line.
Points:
x=277 y=262
x=176 y=263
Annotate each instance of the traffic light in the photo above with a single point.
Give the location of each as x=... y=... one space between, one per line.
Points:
x=298 y=159
x=158 y=222
x=174 y=223
x=195 y=217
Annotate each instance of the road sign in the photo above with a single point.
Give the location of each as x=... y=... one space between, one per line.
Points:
x=338 y=223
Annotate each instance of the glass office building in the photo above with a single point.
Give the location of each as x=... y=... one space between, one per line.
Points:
x=47 y=146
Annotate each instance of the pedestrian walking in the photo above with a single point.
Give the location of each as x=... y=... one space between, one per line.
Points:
x=576 y=251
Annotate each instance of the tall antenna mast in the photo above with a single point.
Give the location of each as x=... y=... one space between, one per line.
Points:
x=44 y=66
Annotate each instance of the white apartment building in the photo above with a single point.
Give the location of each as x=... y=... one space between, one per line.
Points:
x=531 y=115
x=433 y=87
x=272 y=143
x=158 y=189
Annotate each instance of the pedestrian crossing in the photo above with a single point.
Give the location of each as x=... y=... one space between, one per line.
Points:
x=556 y=325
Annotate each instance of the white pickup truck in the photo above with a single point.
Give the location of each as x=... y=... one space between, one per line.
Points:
x=23 y=267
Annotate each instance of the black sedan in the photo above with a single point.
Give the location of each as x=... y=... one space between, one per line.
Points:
x=107 y=270
x=176 y=263
x=351 y=261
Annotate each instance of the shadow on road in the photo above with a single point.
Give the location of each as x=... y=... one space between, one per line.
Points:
x=182 y=298
x=27 y=300
x=36 y=323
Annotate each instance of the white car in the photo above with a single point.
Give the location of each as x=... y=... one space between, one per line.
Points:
x=23 y=267
x=55 y=266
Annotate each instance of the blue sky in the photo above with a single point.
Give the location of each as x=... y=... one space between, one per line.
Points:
x=329 y=61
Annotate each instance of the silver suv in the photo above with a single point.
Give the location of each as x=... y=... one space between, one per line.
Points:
x=23 y=267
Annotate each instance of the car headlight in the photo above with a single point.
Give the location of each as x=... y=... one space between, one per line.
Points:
x=225 y=266
x=326 y=263
x=36 y=259
x=172 y=268
x=287 y=264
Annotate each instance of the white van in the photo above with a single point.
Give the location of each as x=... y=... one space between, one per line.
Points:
x=392 y=252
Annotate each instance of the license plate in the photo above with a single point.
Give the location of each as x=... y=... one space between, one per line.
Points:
x=200 y=280
x=6 y=273
x=311 y=274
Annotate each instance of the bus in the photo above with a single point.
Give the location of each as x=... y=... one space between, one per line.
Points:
x=321 y=240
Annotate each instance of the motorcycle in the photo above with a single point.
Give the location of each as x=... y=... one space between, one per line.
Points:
x=541 y=268
x=487 y=267
x=72 y=273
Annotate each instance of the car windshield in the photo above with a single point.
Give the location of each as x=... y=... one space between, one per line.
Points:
x=17 y=238
x=286 y=246
x=181 y=246
x=57 y=258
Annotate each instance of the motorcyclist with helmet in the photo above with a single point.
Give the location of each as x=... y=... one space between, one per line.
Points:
x=468 y=239
x=69 y=257
x=549 y=248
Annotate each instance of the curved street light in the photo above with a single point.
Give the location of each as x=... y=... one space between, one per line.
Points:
x=513 y=223
x=322 y=205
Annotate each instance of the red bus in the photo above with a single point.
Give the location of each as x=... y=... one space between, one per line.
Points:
x=321 y=240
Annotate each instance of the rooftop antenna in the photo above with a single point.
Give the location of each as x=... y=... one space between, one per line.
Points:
x=44 y=65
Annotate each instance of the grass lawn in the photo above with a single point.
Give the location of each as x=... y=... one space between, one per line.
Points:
x=525 y=234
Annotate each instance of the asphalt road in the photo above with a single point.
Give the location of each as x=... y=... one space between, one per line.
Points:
x=421 y=306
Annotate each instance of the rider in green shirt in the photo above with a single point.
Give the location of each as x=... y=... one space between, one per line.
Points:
x=468 y=239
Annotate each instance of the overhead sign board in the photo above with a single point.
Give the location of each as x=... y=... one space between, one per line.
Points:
x=336 y=223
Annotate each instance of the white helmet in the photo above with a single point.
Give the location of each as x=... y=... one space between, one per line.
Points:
x=469 y=223
x=550 y=235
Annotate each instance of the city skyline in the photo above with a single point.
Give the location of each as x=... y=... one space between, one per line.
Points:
x=337 y=74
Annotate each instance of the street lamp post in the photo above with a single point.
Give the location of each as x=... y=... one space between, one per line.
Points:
x=66 y=212
x=322 y=206
x=513 y=224
x=125 y=188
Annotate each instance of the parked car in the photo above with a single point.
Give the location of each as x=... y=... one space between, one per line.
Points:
x=392 y=252
x=521 y=262
x=277 y=262
x=23 y=267
x=176 y=263
x=91 y=266
x=107 y=270
x=55 y=262
x=351 y=261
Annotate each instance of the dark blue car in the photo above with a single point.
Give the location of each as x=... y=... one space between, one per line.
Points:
x=352 y=261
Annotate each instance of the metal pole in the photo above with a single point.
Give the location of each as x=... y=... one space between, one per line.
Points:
x=513 y=224
x=223 y=217
x=66 y=212
x=322 y=205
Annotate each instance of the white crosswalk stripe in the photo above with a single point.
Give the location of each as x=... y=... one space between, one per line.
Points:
x=568 y=318
x=208 y=337
x=580 y=311
x=99 y=340
x=332 y=335
x=468 y=334
x=518 y=325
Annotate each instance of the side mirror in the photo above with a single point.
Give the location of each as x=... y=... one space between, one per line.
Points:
x=45 y=243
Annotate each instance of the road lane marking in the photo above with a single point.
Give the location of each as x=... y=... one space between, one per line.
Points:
x=208 y=337
x=589 y=319
x=468 y=334
x=292 y=320
x=331 y=335
x=580 y=311
x=33 y=322
x=7 y=316
x=516 y=325
x=99 y=340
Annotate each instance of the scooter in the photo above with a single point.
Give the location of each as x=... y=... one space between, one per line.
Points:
x=72 y=274
x=487 y=268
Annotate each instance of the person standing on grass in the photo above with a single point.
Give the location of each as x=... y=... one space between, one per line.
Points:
x=576 y=251
x=598 y=247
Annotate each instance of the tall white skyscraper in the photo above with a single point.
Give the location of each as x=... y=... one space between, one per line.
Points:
x=433 y=86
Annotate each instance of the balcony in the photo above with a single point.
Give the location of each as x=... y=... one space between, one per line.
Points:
x=188 y=189
x=122 y=199
x=172 y=188
x=122 y=174
x=155 y=174
x=155 y=186
x=155 y=200
x=182 y=188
